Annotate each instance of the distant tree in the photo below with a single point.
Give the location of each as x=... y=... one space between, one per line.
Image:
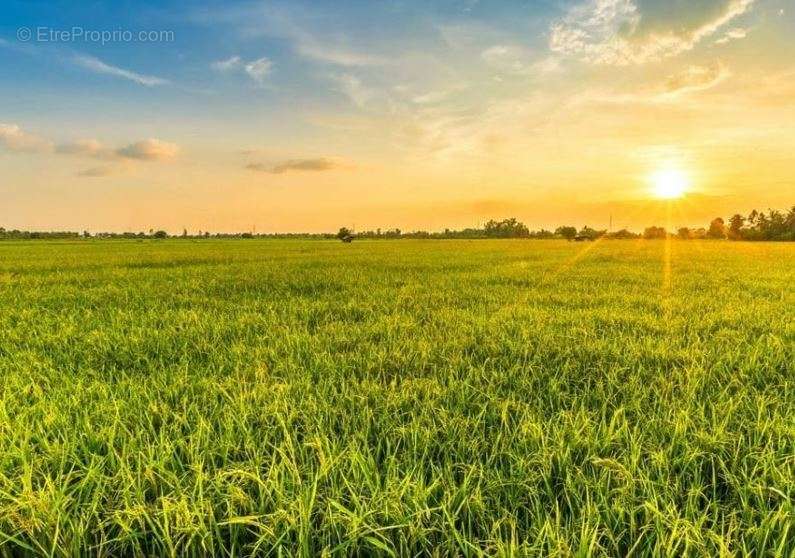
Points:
x=345 y=234
x=623 y=234
x=587 y=233
x=752 y=217
x=736 y=223
x=684 y=233
x=652 y=233
x=246 y=235
x=566 y=232
x=160 y=234
x=717 y=229
x=86 y=234
x=184 y=233
x=789 y=223
x=507 y=228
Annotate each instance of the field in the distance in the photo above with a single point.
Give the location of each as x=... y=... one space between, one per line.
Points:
x=397 y=397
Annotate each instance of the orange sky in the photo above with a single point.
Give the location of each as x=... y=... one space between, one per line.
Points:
x=307 y=123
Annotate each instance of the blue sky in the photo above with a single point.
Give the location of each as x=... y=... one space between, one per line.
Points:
x=273 y=112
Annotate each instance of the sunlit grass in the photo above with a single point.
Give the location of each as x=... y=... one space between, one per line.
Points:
x=397 y=398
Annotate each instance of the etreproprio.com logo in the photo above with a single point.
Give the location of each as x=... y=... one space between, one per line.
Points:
x=99 y=36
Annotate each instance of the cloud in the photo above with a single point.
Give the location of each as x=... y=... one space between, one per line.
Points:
x=85 y=148
x=329 y=43
x=98 y=66
x=319 y=164
x=231 y=63
x=318 y=45
x=513 y=59
x=696 y=78
x=149 y=150
x=259 y=69
x=431 y=97
x=732 y=35
x=506 y=58
x=618 y=32
x=146 y=150
x=16 y=140
x=312 y=47
x=354 y=89
x=97 y=172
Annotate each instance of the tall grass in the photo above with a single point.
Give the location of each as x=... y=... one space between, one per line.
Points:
x=397 y=398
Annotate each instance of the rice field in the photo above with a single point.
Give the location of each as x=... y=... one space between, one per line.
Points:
x=397 y=398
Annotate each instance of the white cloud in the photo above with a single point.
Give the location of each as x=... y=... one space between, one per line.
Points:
x=259 y=69
x=513 y=59
x=149 y=150
x=16 y=140
x=608 y=32
x=328 y=43
x=591 y=30
x=231 y=63
x=732 y=35
x=354 y=89
x=98 y=66
x=86 y=148
x=321 y=50
x=505 y=58
x=696 y=78
x=318 y=45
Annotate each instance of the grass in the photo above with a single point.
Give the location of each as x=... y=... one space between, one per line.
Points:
x=397 y=398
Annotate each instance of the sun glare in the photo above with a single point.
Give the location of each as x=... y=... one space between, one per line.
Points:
x=669 y=184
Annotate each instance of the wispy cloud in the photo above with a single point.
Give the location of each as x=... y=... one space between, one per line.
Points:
x=610 y=31
x=98 y=66
x=231 y=63
x=319 y=164
x=316 y=48
x=516 y=59
x=696 y=78
x=732 y=35
x=98 y=172
x=353 y=87
x=149 y=150
x=258 y=70
x=15 y=139
x=285 y=21
x=86 y=148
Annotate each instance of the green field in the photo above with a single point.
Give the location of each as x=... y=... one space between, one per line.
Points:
x=397 y=398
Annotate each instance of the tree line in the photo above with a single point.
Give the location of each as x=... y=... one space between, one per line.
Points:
x=774 y=225
x=756 y=226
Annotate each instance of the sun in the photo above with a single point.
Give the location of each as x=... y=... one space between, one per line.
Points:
x=669 y=184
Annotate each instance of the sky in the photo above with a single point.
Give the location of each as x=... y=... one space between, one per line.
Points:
x=288 y=116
